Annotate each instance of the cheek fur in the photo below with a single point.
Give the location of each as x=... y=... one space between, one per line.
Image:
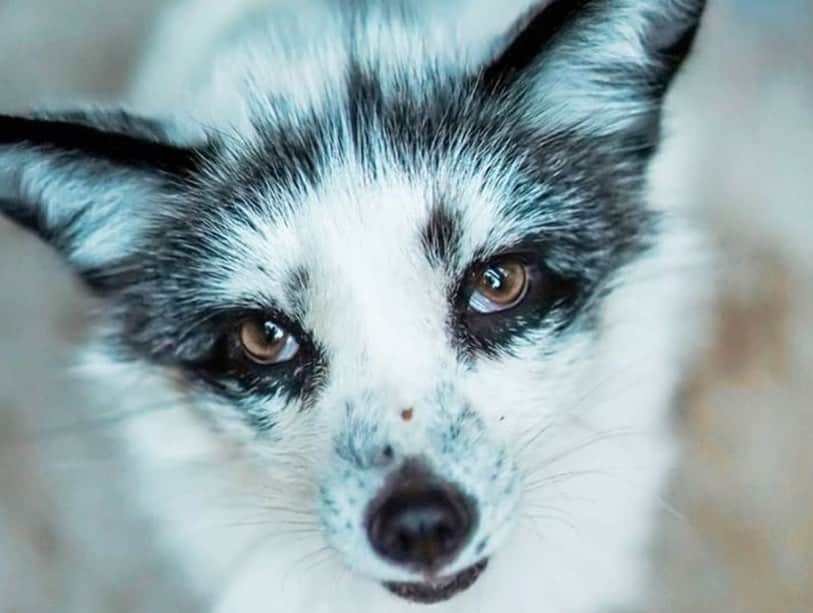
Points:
x=539 y=383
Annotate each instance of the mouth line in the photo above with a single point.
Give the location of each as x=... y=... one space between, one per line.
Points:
x=431 y=592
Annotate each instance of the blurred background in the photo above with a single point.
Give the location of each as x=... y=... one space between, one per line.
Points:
x=739 y=537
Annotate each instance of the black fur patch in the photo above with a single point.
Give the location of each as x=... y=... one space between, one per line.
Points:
x=530 y=37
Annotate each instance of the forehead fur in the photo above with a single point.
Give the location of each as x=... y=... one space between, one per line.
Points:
x=351 y=162
x=283 y=64
x=280 y=63
x=377 y=166
x=338 y=222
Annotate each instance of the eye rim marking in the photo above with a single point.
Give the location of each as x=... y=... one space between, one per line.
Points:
x=552 y=298
x=223 y=366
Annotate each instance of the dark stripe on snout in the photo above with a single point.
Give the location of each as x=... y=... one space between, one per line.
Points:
x=440 y=237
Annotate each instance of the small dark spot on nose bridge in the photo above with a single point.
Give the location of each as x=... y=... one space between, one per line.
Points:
x=407 y=414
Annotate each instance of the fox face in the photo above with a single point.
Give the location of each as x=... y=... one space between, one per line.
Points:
x=420 y=298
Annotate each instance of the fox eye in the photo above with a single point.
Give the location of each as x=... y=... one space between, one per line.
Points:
x=498 y=285
x=265 y=342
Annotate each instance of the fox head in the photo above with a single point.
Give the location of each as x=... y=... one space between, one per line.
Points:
x=423 y=297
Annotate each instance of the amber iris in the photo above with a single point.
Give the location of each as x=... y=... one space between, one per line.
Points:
x=265 y=342
x=498 y=285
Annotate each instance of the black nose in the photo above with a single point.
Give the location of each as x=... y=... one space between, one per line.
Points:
x=419 y=521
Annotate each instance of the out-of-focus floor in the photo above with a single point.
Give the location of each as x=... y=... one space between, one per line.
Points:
x=741 y=537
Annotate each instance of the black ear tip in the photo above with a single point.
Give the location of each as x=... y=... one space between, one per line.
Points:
x=674 y=32
x=527 y=38
x=17 y=212
x=672 y=36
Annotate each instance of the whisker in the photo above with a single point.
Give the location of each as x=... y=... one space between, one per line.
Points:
x=561 y=519
x=309 y=556
x=581 y=446
x=325 y=557
x=553 y=479
x=301 y=526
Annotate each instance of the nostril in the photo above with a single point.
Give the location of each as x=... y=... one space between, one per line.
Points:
x=384 y=457
x=421 y=524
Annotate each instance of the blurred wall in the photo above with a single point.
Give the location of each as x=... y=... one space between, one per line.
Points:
x=743 y=537
x=69 y=540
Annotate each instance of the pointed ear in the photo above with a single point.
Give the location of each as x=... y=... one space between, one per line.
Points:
x=597 y=65
x=88 y=183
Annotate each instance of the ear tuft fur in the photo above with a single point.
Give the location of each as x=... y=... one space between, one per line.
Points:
x=599 y=65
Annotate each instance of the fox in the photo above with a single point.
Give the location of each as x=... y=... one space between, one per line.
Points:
x=396 y=291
